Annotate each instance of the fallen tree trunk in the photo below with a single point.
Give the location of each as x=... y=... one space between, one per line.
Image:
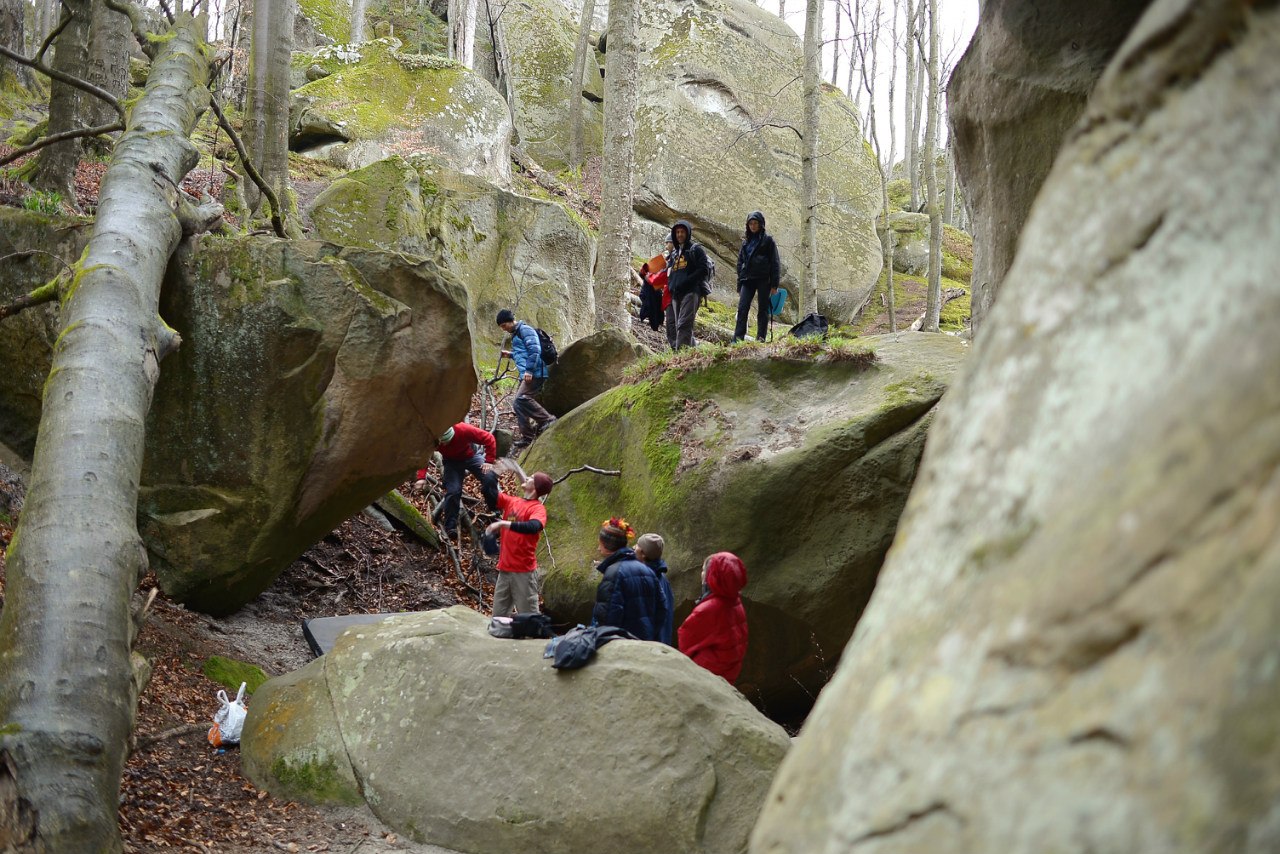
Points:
x=66 y=701
x=947 y=296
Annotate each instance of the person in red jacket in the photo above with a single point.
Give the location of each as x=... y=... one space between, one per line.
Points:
x=465 y=449
x=518 y=531
x=715 y=634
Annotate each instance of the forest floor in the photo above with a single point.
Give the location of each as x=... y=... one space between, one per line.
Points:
x=178 y=792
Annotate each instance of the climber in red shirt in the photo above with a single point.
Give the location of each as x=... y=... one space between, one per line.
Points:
x=465 y=449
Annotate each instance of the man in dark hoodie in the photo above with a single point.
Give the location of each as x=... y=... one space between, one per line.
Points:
x=686 y=271
x=759 y=272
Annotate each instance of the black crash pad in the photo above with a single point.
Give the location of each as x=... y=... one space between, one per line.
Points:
x=323 y=631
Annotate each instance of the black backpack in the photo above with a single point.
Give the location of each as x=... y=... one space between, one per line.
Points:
x=704 y=287
x=533 y=625
x=813 y=324
x=549 y=353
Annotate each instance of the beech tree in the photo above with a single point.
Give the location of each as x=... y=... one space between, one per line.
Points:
x=462 y=31
x=580 y=53
x=54 y=170
x=867 y=54
x=621 y=69
x=812 y=101
x=358 y=9
x=67 y=692
x=933 y=301
x=13 y=36
x=266 y=121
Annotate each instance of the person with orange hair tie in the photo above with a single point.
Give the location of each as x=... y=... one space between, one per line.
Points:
x=629 y=595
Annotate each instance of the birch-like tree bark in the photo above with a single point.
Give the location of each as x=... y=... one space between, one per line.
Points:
x=919 y=90
x=835 y=49
x=266 y=121
x=66 y=692
x=933 y=302
x=55 y=166
x=580 y=53
x=908 y=99
x=621 y=68
x=462 y=31
x=812 y=95
x=358 y=10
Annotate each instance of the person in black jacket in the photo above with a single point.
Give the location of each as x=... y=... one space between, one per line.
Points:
x=686 y=271
x=629 y=595
x=759 y=272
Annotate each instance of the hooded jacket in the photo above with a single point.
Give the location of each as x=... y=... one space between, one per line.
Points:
x=629 y=596
x=666 y=631
x=758 y=261
x=686 y=265
x=715 y=634
x=526 y=350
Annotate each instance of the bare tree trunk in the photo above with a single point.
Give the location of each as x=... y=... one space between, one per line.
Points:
x=580 y=53
x=908 y=102
x=885 y=170
x=809 y=153
x=918 y=93
x=66 y=630
x=620 y=72
x=462 y=31
x=55 y=166
x=868 y=61
x=267 y=102
x=835 y=49
x=108 y=61
x=12 y=31
x=933 y=302
x=782 y=9
x=358 y=9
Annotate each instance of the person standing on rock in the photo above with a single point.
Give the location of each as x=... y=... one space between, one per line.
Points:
x=628 y=596
x=526 y=352
x=715 y=634
x=518 y=531
x=649 y=550
x=463 y=449
x=686 y=271
x=759 y=273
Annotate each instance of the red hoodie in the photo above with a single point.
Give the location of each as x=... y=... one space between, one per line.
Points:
x=459 y=447
x=715 y=634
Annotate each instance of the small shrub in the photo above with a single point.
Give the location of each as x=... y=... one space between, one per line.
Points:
x=42 y=202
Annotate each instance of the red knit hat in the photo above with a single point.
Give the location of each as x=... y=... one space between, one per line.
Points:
x=542 y=483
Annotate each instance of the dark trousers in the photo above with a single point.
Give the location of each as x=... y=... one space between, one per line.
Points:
x=686 y=313
x=527 y=408
x=455 y=471
x=746 y=293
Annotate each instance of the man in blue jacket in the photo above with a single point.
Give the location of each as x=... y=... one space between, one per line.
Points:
x=526 y=351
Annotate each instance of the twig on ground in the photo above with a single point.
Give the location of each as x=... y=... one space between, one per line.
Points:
x=174 y=732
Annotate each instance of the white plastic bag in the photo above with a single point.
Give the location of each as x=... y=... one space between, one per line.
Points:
x=228 y=721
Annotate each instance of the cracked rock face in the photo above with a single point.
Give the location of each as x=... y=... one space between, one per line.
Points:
x=475 y=743
x=1073 y=645
x=716 y=138
x=800 y=468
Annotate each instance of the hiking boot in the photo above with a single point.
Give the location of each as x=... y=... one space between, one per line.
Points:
x=546 y=424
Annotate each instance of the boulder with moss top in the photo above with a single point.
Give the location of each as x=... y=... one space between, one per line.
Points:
x=311 y=380
x=433 y=718
x=511 y=251
x=799 y=465
x=385 y=100
x=911 y=242
x=720 y=96
x=588 y=367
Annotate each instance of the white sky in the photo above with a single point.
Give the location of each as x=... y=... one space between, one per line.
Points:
x=956 y=22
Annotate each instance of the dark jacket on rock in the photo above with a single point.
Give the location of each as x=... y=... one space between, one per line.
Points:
x=629 y=596
x=666 y=631
x=758 y=262
x=715 y=634
x=686 y=265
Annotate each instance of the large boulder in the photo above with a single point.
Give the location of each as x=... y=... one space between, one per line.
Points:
x=311 y=380
x=588 y=367
x=1073 y=644
x=911 y=242
x=512 y=251
x=472 y=742
x=378 y=100
x=1019 y=88
x=719 y=98
x=800 y=467
x=540 y=37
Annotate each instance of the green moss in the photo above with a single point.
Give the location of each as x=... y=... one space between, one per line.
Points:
x=10 y=729
x=313 y=779
x=330 y=17
x=231 y=673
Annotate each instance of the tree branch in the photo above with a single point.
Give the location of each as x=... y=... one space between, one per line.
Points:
x=27 y=253
x=40 y=296
x=605 y=472
x=42 y=142
x=277 y=219
x=53 y=34
x=82 y=85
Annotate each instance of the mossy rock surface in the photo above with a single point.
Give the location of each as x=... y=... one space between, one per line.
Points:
x=384 y=99
x=801 y=468
x=231 y=674
x=719 y=89
x=427 y=710
x=510 y=251
x=540 y=38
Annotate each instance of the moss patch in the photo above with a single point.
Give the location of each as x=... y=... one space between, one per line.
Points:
x=313 y=779
x=231 y=673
